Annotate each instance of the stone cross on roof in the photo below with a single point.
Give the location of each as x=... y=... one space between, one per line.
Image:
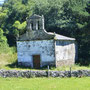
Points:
x=35 y=22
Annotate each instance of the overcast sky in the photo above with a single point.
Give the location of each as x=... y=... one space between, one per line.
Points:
x=1 y=1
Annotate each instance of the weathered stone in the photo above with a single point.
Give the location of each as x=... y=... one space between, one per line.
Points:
x=64 y=62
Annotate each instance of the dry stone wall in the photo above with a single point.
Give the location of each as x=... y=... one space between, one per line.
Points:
x=42 y=73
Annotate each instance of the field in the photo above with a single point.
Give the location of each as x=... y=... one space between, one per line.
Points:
x=45 y=83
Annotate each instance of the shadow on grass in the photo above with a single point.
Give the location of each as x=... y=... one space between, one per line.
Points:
x=15 y=65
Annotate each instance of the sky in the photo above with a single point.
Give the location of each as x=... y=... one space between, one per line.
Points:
x=1 y=1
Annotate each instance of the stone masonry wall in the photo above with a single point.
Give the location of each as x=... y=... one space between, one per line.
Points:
x=42 y=73
x=65 y=51
x=44 y=48
x=65 y=63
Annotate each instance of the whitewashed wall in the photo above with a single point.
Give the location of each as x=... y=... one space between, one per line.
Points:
x=44 y=48
x=65 y=50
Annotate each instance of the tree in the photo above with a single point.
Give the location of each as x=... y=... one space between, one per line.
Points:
x=19 y=27
x=3 y=39
x=88 y=7
x=3 y=16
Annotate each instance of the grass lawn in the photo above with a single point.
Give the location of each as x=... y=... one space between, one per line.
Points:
x=45 y=83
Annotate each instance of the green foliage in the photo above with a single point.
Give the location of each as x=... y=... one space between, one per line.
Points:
x=3 y=43
x=3 y=39
x=19 y=27
x=88 y=7
x=3 y=15
x=17 y=12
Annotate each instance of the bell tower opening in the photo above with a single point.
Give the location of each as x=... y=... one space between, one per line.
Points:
x=35 y=22
x=39 y=25
x=32 y=26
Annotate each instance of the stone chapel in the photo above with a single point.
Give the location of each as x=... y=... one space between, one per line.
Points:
x=37 y=47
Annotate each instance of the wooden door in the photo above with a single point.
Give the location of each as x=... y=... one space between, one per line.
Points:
x=36 y=61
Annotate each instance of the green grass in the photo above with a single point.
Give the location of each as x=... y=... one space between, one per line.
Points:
x=73 y=67
x=45 y=83
x=6 y=59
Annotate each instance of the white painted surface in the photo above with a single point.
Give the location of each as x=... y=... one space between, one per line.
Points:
x=65 y=50
x=44 y=48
